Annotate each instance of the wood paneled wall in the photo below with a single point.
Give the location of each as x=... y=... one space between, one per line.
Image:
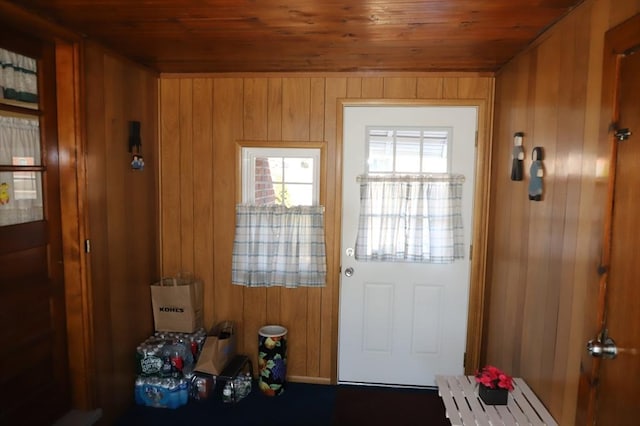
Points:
x=202 y=117
x=122 y=207
x=542 y=275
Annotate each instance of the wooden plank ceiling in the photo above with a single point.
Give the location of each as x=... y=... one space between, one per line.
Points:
x=309 y=35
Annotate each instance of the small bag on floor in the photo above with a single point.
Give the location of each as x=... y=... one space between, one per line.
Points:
x=219 y=348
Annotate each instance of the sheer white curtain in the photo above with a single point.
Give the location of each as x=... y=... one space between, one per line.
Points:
x=279 y=246
x=20 y=192
x=416 y=218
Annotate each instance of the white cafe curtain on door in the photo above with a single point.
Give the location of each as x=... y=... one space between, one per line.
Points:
x=412 y=218
x=20 y=191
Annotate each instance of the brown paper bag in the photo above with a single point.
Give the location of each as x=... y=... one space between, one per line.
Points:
x=219 y=348
x=177 y=304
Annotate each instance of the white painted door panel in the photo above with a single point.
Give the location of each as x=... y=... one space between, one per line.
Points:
x=403 y=323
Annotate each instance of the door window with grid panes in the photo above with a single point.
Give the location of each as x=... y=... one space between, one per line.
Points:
x=406 y=150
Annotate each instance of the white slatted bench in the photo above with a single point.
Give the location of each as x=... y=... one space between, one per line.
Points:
x=465 y=408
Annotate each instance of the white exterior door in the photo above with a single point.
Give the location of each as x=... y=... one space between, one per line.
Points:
x=403 y=323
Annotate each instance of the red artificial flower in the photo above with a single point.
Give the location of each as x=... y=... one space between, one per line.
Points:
x=492 y=377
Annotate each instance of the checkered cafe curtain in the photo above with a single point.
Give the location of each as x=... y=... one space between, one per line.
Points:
x=279 y=246
x=416 y=218
x=18 y=77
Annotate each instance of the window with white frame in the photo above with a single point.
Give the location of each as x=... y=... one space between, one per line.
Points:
x=279 y=238
x=283 y=176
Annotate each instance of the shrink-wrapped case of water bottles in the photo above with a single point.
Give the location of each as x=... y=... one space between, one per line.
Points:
x=169 y=354
x=161 y=392
x=164 y=364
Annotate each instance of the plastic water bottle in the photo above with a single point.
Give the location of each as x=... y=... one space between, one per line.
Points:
x=242 y=385
x=227 y=393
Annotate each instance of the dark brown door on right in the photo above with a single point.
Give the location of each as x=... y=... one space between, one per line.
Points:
x=618 y=395
x=617 y=386
x=34 y=387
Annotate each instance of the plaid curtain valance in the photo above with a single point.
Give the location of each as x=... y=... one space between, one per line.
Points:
x=279 y=246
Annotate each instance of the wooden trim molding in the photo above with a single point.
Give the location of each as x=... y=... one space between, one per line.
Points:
x=72 y=176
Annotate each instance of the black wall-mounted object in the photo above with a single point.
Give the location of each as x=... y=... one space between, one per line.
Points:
x=517 y=157
x=134 y=136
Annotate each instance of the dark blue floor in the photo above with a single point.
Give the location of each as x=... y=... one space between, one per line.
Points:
x=300 y=404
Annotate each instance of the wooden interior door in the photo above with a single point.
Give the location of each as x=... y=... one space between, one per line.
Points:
x=616 y=387
x=34 y=386
x=619 y=384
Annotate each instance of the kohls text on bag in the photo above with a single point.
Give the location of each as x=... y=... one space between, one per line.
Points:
x=177 y=304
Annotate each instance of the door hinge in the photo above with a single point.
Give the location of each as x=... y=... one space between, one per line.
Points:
x=476 y=138
x=470 y=251
x=464 y=360
x=87 y=246
x=620 y=134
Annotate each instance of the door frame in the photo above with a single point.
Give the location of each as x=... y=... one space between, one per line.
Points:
x=480 y=213
x=617 y=41
x=80 y=330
